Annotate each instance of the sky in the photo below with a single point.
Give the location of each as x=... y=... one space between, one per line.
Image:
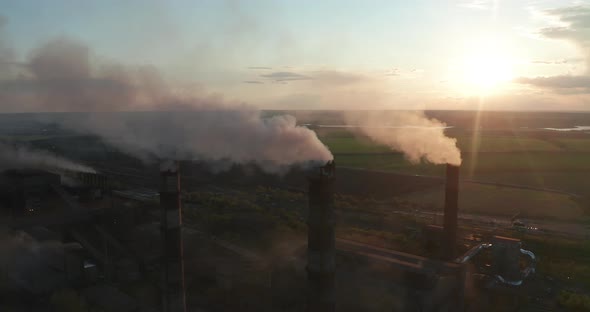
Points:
x=307 y=54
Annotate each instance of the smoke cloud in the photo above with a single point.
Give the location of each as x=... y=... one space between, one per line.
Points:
x=418 y=137
x=239 y=135
x=19 y=157
x=29 y=264
x=180 y=124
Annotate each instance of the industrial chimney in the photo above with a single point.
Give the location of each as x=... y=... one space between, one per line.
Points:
x=321 y=241
x=451 y=212
x=173 y=292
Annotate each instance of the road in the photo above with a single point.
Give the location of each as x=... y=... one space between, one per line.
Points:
x=534 y=226
x=491 y=222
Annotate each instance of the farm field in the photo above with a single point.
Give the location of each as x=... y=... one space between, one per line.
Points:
x=503 y=201
x=518 y=152
x=556 y=161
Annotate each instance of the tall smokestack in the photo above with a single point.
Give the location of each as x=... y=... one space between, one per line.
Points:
x=321 y=241
x=173 y=292
x=451 y=212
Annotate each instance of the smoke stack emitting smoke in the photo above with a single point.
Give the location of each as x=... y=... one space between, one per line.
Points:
x=61 y=77
x=12 y=157
x=239 y=135
x=419 y=138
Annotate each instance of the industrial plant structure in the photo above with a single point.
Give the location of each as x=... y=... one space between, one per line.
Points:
x=172 y=267
x=321 y=253
x=435 y=283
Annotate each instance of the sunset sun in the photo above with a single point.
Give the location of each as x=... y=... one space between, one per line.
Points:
x=486 y=72
x=484 y=66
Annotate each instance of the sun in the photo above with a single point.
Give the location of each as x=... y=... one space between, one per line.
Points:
x=484 y=66
x=485 y=73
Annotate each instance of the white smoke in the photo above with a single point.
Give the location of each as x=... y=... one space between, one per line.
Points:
x=26 y=263
x=238 y=134
x=418 y=137
x=62 y=77
x=20 y=157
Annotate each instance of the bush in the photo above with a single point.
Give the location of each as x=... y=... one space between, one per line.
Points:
x=574 y=302
x=68 y=300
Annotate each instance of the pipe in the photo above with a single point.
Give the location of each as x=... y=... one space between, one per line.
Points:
x=321 y=241
x=451 y=212
x=472 y=252
x=530 y=269
x=173 y=290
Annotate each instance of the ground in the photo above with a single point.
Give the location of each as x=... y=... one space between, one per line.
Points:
x=539 y=174
x=504 y=201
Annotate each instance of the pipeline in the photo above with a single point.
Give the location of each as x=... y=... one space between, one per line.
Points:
x=473 y=252
x=526 y=272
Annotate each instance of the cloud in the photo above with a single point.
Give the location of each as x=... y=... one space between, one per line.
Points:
x=260 y=67
x=7 y=57
x=393 y=72
x=476 y=4
x=324 y=77
x=334 y=77
x=574 y=26
x=562 y=84
x=404 y=73
x=253 y=81
x=285 y=76
x=554 y=62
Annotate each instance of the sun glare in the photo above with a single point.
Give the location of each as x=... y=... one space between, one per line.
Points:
x=486 y=72
x=484 y=67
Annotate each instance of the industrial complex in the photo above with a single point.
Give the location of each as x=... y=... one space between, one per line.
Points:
x=113 y=231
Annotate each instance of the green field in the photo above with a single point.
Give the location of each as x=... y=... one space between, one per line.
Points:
x=483 y=155
x=540 y=159
x=503 y=201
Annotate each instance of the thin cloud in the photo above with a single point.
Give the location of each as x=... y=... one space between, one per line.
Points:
x=285 y=76
x=563 y=84
x=334 y=77
x=393 y=72
x=553 y=62
x=405 y=73
x=260 y=68
x=253 y=82
x=476 y=4
x=574 y=26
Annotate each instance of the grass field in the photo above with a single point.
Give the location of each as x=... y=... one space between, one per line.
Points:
x=503 y=201
x=491 y=155
x=539 y=158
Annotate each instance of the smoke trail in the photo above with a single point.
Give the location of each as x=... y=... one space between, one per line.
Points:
x=239 y=135
x=30 y=264
x=18 y=157
x=183 y=125
x=419 y=138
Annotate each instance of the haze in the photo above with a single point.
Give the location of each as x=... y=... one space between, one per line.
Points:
x=494 y=55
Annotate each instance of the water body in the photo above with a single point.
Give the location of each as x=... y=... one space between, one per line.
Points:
x=375 y=127
x=575 y=128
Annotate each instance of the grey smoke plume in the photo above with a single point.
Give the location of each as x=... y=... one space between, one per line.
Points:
x=19 y=157
x=185 y=125
x=29 y=264
x=240 y=135
x=418 y=137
